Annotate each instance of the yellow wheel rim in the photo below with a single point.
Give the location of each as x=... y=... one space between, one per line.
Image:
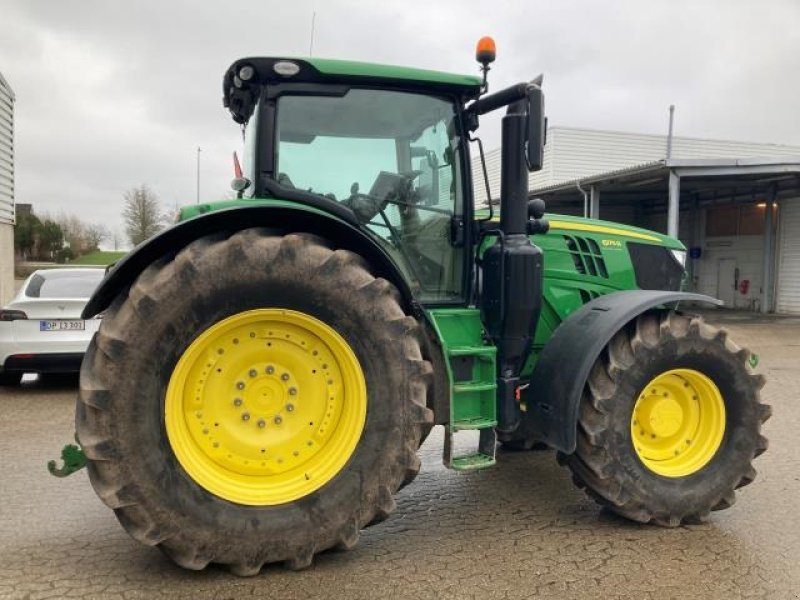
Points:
x=678 y=422
x=266 y=406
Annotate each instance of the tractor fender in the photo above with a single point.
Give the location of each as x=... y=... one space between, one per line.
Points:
x=280 y=218
x=554 y=394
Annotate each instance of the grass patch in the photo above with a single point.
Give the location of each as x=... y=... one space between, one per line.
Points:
x=100 y=258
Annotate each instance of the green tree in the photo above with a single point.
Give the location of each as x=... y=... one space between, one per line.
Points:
x=51 y=239
x=26 y=232
x=142 y=214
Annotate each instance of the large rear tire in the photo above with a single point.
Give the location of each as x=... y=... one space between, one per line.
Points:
x=199 y=394
x=669 y=423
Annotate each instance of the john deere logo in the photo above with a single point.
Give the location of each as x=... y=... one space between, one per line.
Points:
x=611 y=243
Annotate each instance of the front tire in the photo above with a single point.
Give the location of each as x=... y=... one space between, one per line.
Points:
x=175 y=442
x=669 y=422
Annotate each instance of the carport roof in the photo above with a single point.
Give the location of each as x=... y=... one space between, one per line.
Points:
x=705 y=179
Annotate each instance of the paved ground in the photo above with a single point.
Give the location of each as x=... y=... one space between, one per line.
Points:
x=517 y=531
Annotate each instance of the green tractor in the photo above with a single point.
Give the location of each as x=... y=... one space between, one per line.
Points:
x=267 y=368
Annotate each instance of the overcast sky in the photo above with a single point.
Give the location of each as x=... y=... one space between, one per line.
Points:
x=111 y=94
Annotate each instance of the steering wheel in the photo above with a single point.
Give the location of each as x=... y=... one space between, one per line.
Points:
x=396 y=188
x=364 y=206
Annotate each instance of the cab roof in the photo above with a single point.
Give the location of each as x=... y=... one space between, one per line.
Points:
x=240 y=96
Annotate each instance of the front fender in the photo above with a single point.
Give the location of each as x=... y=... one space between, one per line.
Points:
x=557 y=382
x=279 y=218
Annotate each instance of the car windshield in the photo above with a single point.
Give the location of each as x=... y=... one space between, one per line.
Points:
x=64 y=284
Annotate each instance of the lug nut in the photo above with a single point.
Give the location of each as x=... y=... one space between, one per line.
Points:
x=285 y=377
x=262 y=423
x=240 y=385
x=270 y=369
x=237 y=401
x=292 y=391
x=289 y=407
x=245 y=416
x=278 y=420
x=253 y=373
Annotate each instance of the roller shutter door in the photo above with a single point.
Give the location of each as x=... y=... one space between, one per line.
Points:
x=789 y=270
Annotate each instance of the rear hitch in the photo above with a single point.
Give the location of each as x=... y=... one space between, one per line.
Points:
x=73 y=458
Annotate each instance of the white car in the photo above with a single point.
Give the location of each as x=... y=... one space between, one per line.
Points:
x=41 y=330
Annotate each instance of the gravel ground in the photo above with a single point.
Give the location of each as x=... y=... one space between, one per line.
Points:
x=520 y=530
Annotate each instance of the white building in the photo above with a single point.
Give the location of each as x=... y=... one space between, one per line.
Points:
x=736 y=205
x=6 y=191
x=572 y=153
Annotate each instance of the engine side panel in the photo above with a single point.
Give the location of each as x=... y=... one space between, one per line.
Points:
x=585 y=260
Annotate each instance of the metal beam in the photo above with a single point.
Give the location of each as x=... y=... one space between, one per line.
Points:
x=594 y=202
x=722 y=171
x=769 y=259
x=673 y=209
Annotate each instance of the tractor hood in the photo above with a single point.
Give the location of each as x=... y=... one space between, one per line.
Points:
x=567 y=224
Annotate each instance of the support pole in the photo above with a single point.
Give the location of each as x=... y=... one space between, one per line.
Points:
x=669 y=135
x=673 y=210
x=694 y=228
x=594 y=202
x=766 y=285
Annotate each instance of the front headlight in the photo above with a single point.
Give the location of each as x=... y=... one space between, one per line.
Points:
x=680 y=256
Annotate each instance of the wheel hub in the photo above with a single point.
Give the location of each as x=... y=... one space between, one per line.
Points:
x=662 y=416
x=678 y=422
x=266 y=406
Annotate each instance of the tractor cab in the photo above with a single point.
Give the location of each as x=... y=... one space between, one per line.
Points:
x=389 y=148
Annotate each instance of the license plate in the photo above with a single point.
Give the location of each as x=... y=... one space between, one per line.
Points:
x=62 y=325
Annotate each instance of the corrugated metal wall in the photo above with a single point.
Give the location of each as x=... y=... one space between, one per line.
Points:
x=789 y=268
x=6 y=152
x=571 y=153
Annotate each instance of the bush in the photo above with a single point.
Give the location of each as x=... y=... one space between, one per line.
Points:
x=64 y=255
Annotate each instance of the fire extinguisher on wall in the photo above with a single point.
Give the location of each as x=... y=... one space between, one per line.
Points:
x=744 y=286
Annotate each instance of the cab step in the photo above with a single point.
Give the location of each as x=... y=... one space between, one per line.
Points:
x=471 y=371
x=482 y=458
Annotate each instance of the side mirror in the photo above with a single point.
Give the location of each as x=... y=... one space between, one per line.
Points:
x=534 y=152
